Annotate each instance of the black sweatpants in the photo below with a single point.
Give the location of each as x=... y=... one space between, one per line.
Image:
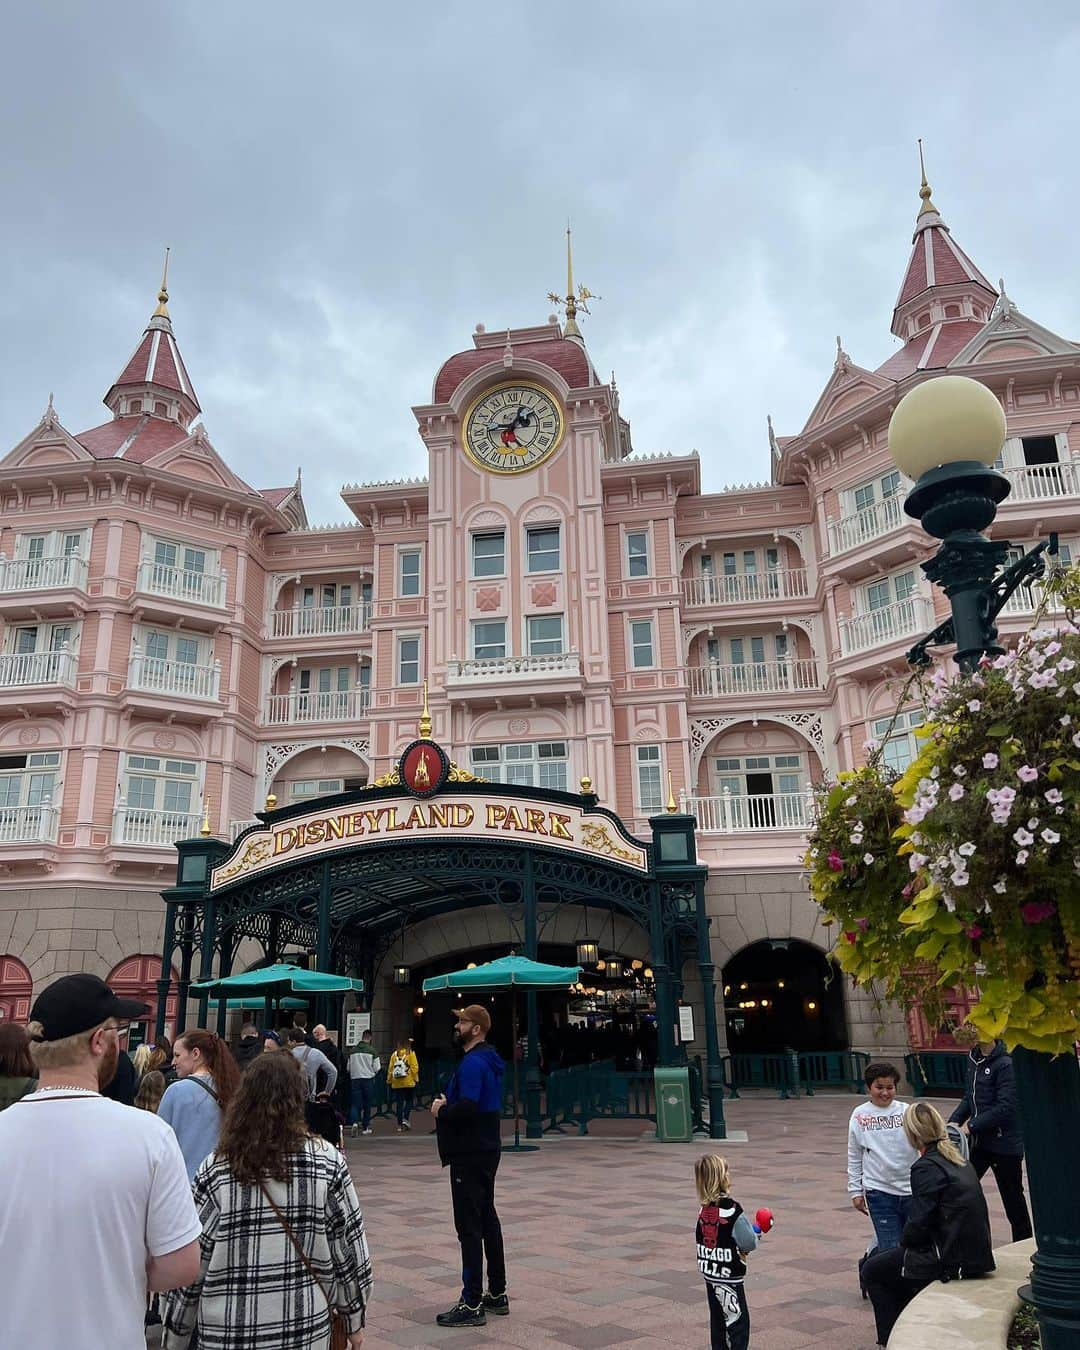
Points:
x=1010 y=1183
x=729 y=1316
x=890 y=1293
x=472 y=1188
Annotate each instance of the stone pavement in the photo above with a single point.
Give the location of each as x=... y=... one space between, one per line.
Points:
x=600 y=1235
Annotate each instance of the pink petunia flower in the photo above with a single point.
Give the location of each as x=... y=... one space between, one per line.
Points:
x=1027 y=773
x=835 y=861
x=1035 y=911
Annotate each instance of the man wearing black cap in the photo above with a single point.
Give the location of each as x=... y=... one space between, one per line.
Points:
x=468 y=1121
x=96 y=1209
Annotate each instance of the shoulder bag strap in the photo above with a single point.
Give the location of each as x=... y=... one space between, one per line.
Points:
x=194 y=1078
x=299 y=1250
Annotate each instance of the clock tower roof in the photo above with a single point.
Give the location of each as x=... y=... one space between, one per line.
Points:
x=543 y=343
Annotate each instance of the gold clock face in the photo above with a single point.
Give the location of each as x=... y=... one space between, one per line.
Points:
x=513 y=427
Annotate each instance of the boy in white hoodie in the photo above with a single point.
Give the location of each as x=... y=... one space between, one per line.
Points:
x=880 y=1157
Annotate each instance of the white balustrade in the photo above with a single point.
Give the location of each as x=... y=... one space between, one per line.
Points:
x=868 y=524
x=1043 y=482
x=320 y=621
x=753 y=677
x=29 y=824
x=499 y=669
x=158 y=676
x=200 y=588
x=42 y=574
x=153 y=829
x=334 y=705
x=30 y=668
x=904 y=618
x=237 y=827
x=739 y=588
x=732 y=812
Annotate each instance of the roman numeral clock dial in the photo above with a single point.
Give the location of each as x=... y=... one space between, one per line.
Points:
x=513 y=427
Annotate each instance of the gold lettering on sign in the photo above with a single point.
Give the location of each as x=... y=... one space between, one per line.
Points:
x=557 y=825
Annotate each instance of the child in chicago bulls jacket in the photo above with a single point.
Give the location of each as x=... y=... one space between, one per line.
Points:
x=724 y=1236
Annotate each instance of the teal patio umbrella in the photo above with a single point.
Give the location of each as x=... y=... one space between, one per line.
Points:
x=513 y=973
x=278 y=982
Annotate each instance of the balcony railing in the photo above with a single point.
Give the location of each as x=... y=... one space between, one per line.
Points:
x=753 y=677
x=1042 y=482
x=199 y=588
x=732 y=812
x=323 y=621
x=740 y=588
x=500 y=669
x=863 y=526
x=42 y=574
x=904 y=618
x=237 y=827
x=153 y=829
x=29 y=824
x=158 y=676
x=336 y=705
x=18 y=669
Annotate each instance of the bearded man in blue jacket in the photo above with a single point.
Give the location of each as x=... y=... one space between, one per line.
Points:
x=468 y=1122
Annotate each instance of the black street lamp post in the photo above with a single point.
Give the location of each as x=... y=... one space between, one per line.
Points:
x=946 y=434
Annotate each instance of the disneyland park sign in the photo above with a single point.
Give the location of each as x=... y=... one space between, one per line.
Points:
x=423 y=770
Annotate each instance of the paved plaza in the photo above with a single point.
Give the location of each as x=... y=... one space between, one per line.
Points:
x=600 y=1235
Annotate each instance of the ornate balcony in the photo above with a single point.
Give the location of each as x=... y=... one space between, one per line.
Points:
x=335 y=705
x=29 y=824
x=753 y=677
x=735 y=813
x=862 y=527
x=507 y=676
x=66 y=572
x=877 y=628
x=175 y=583
x=742 y=588
x=320 y=621
x=237 y=827
x=1043 y=482
x=153 y=829
x=22 y=669
x=181 y=678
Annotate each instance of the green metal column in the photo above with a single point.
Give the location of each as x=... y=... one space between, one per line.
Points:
x=665 y=1004
x=228 y=950
x=714 y=1074
x=322 y=953
x=1048 y=1089
x=183 y=985
x=534 y=1128
x=206 y=956
x=165 y=981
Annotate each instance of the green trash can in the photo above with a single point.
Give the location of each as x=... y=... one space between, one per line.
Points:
x=674 y=1117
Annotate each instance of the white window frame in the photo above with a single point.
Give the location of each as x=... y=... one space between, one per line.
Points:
x=507 y=762
x=630 y=558
x=876 y=486
x=50 y=628
x=54 y=543
x=649 y=757
x=37 y=764
x=530 y=530
x=134 y=765
x=635 y=645
x=406 y=551
x=401 y=639
x=320 y=787
x=475 y=645
x=861 y=594
x=474 y=572
x=541 y=618
x=903 y=733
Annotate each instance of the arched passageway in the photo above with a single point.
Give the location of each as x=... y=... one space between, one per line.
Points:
x=783 y=995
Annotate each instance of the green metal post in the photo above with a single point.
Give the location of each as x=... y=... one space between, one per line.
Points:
x=206 y=956
x=322 y=954
x=714 y=1072
x=183 y=985
x=534 y=1125
x=165 y=981
x=665 y=1006
x=1048 y=1089
x=228 y=949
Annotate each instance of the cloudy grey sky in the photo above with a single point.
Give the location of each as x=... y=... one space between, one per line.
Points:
x=348 y=188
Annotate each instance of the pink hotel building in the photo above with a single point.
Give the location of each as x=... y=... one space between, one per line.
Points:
x=177 y=645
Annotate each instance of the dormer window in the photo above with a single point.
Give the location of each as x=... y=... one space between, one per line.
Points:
x=923 y=321
x=952 y=311
x=161 y=409
x=135 y=406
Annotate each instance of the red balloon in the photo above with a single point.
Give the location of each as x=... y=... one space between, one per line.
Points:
x=764 y=1219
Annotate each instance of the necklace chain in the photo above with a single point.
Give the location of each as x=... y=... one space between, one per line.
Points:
x=69 y=1087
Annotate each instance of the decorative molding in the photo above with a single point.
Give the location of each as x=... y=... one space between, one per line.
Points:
x=277 y=754
x=703 y=730
x=542 y=512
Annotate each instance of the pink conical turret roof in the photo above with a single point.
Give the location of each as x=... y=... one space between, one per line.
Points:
x=156 y=365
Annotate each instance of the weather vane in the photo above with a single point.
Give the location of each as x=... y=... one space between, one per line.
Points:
x=574 y=301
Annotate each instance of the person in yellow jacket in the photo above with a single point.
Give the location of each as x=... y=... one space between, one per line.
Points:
x=402 y=1076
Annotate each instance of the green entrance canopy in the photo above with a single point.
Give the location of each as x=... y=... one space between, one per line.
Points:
x=257 y=1004
x=505 y=973
x=513 y=973
x=282 y=979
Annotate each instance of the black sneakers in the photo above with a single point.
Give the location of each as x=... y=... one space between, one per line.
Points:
x=498 y=1304
x=461 y=1315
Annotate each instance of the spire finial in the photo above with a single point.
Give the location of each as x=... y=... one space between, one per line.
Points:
x=924 y=191
x=424 y=729
x=671 y=807
x=573 y=301
x=204 y=829
x=162 y=311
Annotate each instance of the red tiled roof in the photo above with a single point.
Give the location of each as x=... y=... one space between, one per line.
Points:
x=950 y=264
x=915 y=276
x=275 y=496
x=562 y=355
x=157 y=360
x=135 y=370
x=148 y=436
x=952 y=338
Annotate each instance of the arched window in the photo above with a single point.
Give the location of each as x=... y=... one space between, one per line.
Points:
x=16 y=989
x=136 y=977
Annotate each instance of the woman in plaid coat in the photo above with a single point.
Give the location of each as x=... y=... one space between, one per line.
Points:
x=255 y=1290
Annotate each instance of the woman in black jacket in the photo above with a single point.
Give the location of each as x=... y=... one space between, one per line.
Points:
x=947 y=1235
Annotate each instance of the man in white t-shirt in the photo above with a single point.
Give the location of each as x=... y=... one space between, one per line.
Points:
x=96 y=1208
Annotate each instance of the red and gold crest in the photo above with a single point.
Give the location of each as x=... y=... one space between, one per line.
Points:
x=423 y=768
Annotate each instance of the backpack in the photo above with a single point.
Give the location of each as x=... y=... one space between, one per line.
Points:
x=959 y=1140
x=400 y=1067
